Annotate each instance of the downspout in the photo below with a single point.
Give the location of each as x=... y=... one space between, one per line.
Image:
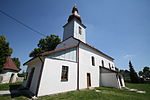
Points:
x=78 y=66
x=39 y=80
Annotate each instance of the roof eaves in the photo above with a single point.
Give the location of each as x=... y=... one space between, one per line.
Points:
x=58 y=50
x=49 y=52
x=30 y=60
x=110 y=69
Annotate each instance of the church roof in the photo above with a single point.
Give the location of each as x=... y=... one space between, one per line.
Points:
x=50 y=52
x=65 y=48
x=9 y=64
x=109 y=69
x=57 y=50
x=53 y=51
x=92 y=48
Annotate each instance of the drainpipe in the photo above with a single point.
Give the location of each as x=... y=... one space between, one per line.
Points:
x=78 y=66
x=39 y=80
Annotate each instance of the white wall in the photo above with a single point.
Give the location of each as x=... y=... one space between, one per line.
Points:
x=51 y=77
x=109 y=80
x=6 y=74
x=89 y=52
x=85 y=64
x=72 y=29
x=81 y=36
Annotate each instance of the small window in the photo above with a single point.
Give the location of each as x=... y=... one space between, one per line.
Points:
x=93 y=61
x=109 y=66
x=112 y=66
x=102 y=63
x=80 y=30
x=64 y=74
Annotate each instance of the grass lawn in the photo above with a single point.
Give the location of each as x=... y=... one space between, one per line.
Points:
x=105 y=94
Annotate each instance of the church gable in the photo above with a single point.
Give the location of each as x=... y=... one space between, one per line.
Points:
x=68 y=42
x=67 y=54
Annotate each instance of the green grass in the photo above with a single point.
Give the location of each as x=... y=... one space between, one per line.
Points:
x=6 y=86
x=105 y=94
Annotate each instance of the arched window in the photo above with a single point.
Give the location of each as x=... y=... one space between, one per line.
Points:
x=102 y=63
x=80 y=30
x=109 y=66
x=93 y=61
x=112 y=66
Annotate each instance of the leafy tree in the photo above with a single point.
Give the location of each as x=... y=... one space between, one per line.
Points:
x=126 y=75
x=5 y=51
x=23 y=74
x=145 y=73
x=16 y=61
x=36 y=52
x=46 y=44
x=133 y=75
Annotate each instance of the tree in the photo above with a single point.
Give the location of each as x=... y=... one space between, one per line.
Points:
x=5 y=51
x=36 y=52
x=133 y=75
x=145 y=73
x=46 y=44
x=126 y=75
x=16 y=61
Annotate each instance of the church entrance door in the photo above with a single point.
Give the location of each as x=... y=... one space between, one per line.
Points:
x=88 y=80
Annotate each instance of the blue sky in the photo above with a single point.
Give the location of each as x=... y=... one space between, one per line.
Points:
x=119 y=28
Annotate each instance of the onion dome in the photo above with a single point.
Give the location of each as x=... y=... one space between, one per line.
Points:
x=74 y=14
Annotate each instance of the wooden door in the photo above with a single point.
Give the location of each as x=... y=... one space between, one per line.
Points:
x=88 y=80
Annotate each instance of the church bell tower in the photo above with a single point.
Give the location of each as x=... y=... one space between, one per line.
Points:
x=74 y=27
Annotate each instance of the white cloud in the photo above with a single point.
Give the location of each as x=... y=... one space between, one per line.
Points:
x=128 y=56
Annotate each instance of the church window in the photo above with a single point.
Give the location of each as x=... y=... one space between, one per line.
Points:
x=80 y=30
x=109 y=66
x=93 y=61
x=64 y=74
x=112 y=66
x=102 y=63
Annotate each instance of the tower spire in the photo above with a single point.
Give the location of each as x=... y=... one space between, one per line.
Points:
x=74 y=14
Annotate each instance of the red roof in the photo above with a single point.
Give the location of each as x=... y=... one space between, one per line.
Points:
x=9 y=64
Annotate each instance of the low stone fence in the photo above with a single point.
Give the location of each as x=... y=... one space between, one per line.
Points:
x=19 y=79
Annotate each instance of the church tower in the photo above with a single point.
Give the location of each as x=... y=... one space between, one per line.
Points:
x=74 y=27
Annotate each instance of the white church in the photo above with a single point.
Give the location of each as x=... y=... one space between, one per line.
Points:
x=73 y=65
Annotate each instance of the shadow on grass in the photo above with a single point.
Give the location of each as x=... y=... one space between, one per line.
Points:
x=19 y=90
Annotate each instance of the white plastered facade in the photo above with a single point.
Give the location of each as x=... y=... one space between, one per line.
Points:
x=8 y=76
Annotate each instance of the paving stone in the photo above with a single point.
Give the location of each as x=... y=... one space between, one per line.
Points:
x=141 y=91
x=4 y=92
x=98 y=91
